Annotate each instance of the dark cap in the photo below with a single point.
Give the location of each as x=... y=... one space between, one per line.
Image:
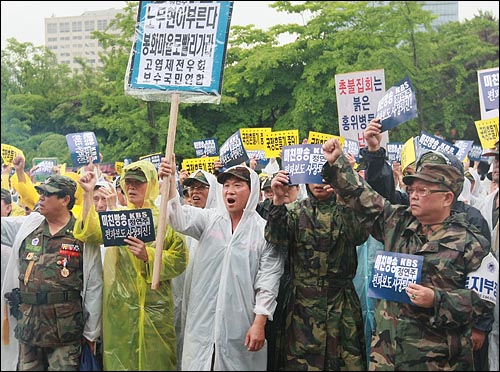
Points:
x=58 y=184
x=238 y=171
x=196 y=176
x=135 y=174
x=442 y=174
x=491 y=152
x=469 y=176
x=266 y=182
x=6 y=197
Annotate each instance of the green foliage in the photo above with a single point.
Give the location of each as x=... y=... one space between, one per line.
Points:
x=266 y=84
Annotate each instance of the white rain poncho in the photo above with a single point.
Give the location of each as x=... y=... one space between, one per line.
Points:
x=234 y=276
x=181 y=284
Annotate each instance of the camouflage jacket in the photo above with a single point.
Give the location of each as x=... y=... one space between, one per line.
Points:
x=408 y=337
x=57 y=268
x=325 y=324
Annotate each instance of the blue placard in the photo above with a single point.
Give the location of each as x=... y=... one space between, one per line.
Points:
x=260 y=156
x=394 y=151
x=82 y=146
x=463 y=148
x=476 y=152
x=232 y=152
x=351 y=147
x=391 y=274
x=117 y=225
x=398 y=105
x=206 y=147
x=488 y=88
x=180 y=46
x=303 y=163
x=153 y=158
x=427 y=141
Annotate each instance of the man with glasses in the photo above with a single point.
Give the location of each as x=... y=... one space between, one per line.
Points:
x=434 y=330
x=43 y=282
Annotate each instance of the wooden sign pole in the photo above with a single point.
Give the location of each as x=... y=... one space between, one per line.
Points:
x=164 y=192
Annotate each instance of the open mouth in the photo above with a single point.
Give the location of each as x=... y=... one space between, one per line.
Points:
x=231 y=201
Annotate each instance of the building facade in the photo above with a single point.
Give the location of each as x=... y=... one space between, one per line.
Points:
x=70 y=38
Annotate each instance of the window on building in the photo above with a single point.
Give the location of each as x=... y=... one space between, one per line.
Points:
x=89 y=25
x=76 y=26
x=64 y=27
x=101 y=24
x=52 y=28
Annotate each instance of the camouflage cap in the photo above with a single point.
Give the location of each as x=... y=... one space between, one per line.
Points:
x=196 y=176
x=6 y=197
x=135 y=174
x=238 y=171
x=58 y=184
x=491 y=152
x=266 y=182
x=442 y=174
x=436 y=157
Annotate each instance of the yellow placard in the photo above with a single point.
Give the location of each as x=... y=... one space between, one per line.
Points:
x=317 y=138
x=206 y=163
x=487 y=131
x=408 y=155
x=276 y=140
x=254 y=138
x=9 y=153
x=119 y=167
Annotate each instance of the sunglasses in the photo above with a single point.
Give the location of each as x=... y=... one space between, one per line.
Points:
x=46 y=193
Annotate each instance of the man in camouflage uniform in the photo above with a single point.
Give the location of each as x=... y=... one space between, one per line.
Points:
x=434 y=331
x=324 y=324
x=43 y=282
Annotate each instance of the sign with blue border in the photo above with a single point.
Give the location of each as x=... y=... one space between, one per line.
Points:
x=392 y=272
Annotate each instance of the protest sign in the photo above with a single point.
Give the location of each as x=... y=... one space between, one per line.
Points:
x=43 y=168
x=427 y=141
x=254 y=138
x=117 y=225
x=303 y=163
x=275 y=141
x=351 y=147
x=408 y=153
x=153 y=158
x=82 y=147
x=398 y=105
x=206 y=163
x=488 y=93
x=391 y=274
x=357 y=97
x=206 y=147
x=463 y=148
x=316 y=138
x=487 y=131
x=179 y=47
x=394 y=150
x=9 y=152
x=232 y=151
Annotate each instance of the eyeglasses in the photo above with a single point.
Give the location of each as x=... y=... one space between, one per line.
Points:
x=197 y=188
x=422 y=191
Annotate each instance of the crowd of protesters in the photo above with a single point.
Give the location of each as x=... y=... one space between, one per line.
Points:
x=256 y=273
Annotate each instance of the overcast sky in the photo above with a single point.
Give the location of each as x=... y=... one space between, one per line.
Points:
x=25 y=20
